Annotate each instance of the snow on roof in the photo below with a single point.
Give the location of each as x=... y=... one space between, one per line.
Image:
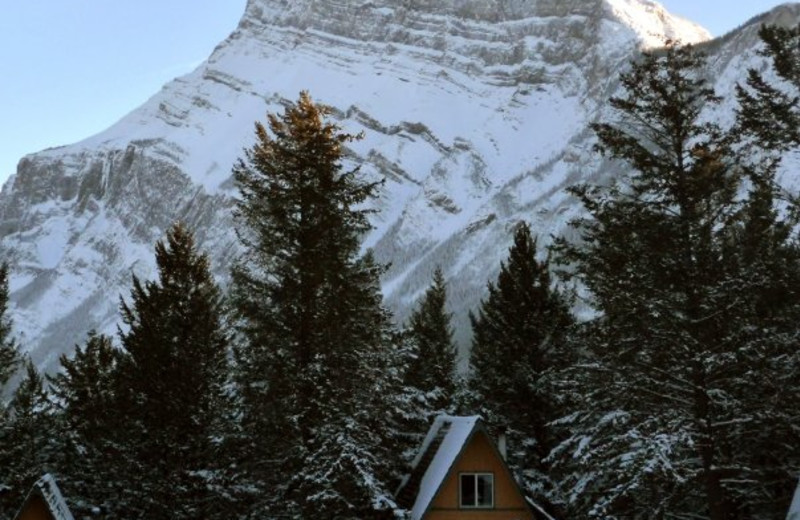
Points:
x=539 y=509
x=458 y=431
x=48 y=489
x=794 y=509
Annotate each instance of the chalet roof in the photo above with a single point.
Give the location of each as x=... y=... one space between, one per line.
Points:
x=441 y=449
x=794 y=509
x=443 y=444
x=47 y=489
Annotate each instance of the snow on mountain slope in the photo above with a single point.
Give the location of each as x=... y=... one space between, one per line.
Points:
x=475 y=112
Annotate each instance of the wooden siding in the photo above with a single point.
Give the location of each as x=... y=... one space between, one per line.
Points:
x=480 y=456
x=35 y=509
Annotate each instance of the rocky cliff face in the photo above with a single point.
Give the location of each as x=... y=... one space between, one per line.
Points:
x=475 y=112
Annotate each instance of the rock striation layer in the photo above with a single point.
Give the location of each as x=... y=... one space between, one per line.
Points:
x=475 y=112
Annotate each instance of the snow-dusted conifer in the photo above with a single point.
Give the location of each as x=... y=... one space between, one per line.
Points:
x=86 y=386
x=768 y=119
x=520 y=336
x=9 y=355
x=92 y=431
x=433 y=371
x=29 y=445
x=669 y=398
x=767 y=112
x=315 y=338
x=171 y=380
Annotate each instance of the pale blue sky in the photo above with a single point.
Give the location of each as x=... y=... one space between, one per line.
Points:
x=69 y=69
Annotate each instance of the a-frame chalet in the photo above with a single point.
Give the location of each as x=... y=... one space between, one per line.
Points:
x=44 y=502
x=459 y=474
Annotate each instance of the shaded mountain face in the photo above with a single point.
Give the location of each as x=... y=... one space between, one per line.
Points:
x=475 y=112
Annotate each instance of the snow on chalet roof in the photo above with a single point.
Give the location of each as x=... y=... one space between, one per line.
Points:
x=443 y=444
x=47 y=488
x=794 y=509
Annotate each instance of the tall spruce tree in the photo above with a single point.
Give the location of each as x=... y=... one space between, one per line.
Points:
x=93 y=432
x=29 y=444
x=171 y=378
x=86 y=385
x=768 y=112
x=9 y=355
x=768 y=118
x=9 y=361
x=689 y=356
x=520 y=336
x=315 y=339
x=17 y=418
x=433 y=371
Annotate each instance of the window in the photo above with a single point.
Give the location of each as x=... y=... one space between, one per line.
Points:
x=476 y=490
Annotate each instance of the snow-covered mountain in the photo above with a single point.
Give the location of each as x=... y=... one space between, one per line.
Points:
x=475 y=112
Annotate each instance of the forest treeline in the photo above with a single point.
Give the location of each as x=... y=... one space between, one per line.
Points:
x=294 y=395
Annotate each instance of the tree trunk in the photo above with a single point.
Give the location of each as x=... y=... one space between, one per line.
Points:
x=715 y=495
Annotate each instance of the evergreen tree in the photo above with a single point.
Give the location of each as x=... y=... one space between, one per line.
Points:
x=9 y=355
x=93 y=432
x=86 y=385
x=768 y=112
x=768 y=118
x=681 y=268
x=315 y=339
x=171 y=381
x=354 y=459
x=30 y=446
x=519 y=338
x=9 y=361
x=433 y=370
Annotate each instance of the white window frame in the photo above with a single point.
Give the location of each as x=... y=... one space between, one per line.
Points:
x=475 y=474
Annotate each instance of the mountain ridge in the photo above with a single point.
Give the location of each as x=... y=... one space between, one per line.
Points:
x=475 y=124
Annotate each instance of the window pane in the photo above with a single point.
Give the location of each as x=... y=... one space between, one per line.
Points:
x=468 y=490
x=485 y=485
